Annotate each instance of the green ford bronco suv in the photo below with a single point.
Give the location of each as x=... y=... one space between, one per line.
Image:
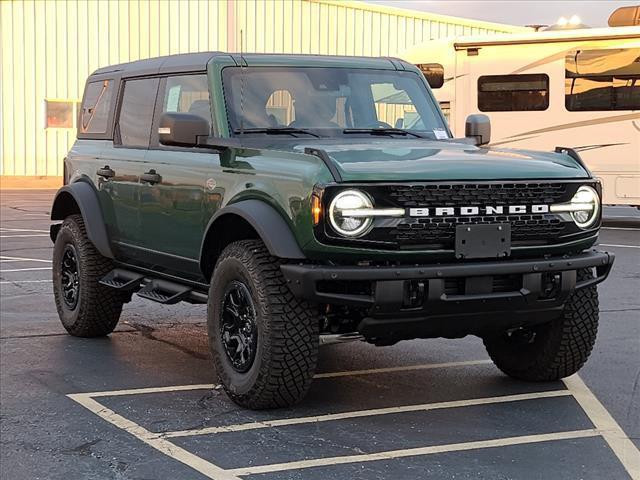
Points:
x=307 y=197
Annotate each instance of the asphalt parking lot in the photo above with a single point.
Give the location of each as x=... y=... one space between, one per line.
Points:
x=140 y=404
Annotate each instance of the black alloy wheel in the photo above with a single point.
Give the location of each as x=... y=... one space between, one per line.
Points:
x=70 y=277
x=238 y=327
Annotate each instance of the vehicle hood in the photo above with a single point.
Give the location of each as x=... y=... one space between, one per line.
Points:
x=414 y=160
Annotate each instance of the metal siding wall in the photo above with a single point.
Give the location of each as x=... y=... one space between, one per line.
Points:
x=49 y=47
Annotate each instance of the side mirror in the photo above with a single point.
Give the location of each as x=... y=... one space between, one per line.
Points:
x=478 y=127
x=182 y=129
x=433 y=72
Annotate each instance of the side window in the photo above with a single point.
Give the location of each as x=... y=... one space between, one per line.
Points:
x=602 y=80
x=94 y=112
x=513 y=93
x=188 y=94
x=136 y=112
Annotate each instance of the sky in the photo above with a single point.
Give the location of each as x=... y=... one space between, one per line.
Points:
x=517 y=12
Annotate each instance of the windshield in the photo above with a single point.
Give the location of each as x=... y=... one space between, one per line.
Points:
x=329 y=101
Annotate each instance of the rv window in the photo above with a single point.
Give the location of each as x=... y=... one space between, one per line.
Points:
x=602 y=80
x=513 y=93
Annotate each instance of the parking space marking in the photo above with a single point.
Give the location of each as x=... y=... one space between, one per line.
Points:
x=14 y=282
x=31 y=269
x=604 y=424
x=406 y=368
x=4 y=258
x=620 y=228
x=197 y=463
x=366 y=413
x=4 y=230
x=614 y=245
x=24 y=236
x=412 y=452
x=613 y=434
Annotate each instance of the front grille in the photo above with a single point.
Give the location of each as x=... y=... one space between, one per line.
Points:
x=425 y=195
x=438 y=232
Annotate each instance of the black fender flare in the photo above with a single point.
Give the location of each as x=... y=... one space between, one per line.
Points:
x=271 y=227
x=86 y=198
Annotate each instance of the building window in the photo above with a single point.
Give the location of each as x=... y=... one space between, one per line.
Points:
x=136 y=112
x=602 y=80
x=94 y=113
x=59 y=113
x=513 y=93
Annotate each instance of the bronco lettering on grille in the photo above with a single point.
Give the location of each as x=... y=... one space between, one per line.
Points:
x=474 y=211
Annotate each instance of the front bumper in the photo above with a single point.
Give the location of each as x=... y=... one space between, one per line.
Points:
x=479 y=300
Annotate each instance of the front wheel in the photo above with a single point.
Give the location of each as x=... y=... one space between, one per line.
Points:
x=552 y=350
x=264 y=341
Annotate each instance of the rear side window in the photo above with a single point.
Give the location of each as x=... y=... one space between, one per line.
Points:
x=188 y=94
x=94 y=112
x=513 y=93
x=602 y=80
x=136 y=112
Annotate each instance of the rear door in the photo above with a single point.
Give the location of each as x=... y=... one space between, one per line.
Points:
x=124 y=161
x=173 y=208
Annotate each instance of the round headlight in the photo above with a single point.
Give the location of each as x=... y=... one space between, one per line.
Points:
x=585 y=206
x=344 y=216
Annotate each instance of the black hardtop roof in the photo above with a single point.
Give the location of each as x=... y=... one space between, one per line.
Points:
x=192 y=62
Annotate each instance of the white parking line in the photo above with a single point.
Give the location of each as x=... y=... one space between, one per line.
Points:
x=24 y=236
x=624 y=448
x=7 y=282
x=406 y=368
x=197 y=463
x=4 y=258
x=3 y=229
x=620 y=228
x=366 y=413
x=24 y=269
x=614 y=245
x=412 y=452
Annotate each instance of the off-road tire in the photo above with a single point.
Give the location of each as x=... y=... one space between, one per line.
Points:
x=288 y=330
x=98 y=307
x=559 y=348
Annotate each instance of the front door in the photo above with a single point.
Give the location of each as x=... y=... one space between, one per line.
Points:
x=177 y=185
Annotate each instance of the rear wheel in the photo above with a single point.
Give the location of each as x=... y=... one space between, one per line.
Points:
x=85 y=308
x=264 y=341
x=551 y=350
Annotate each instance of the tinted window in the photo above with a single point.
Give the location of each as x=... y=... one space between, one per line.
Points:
x=601 y=80
x=136 y=112
x=188 y=94
x=95 y=107
x=513 y=93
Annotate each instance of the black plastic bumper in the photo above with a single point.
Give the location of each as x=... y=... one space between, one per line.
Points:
x=477 y=298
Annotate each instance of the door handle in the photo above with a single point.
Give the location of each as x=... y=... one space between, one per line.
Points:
x=150 y=177
x=105 y=172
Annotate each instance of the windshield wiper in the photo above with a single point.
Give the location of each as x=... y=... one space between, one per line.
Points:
x=276 y=131
x=383 y=131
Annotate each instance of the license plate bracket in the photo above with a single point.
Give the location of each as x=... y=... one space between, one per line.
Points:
x=491 y=240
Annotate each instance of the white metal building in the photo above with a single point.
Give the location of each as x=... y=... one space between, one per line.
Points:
x=50 y=46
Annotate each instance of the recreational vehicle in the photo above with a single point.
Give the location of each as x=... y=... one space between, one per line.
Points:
x=571 y=88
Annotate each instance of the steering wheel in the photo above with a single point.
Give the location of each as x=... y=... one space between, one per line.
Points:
x=378 y=124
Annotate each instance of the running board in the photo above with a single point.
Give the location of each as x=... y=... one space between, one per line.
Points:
x=165 y=292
